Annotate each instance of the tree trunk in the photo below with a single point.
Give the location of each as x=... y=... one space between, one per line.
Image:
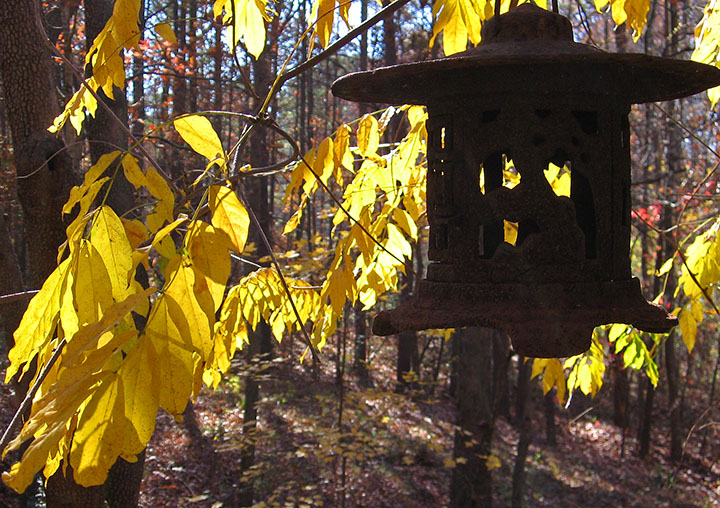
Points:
x=645 y=418
x=44 y=168
x=10 y=282
x=252 y=396
x=524 y=422
x=471 y=485
x=550 y=428
x=407 y=370
x=360 y=356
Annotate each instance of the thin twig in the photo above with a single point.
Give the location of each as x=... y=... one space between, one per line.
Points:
x=14 y=297
x=100 y=100
x=341 y=42
x=284 y=283
x=353 y=219
x=31 y=395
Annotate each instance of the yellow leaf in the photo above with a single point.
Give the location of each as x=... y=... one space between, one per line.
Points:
x=403 y=219
x=141 y=389
x=175 y=369
x=617 y=330
x=98 y=439
x=198 y=132
x=665 y=268
x=246 y=19
x=159 y=188
x=106 y=59
x=341 y=149
x=23 y=473
x=696 y=307
x=323 y=14
x=165 y=31
x=688 y=328
x=91 y=177
x=209 y=251
x=492 y=462
x=136 y=232
x=38 y=323
x=368 y=136
x=458 y=20
x=109 y=238
x=190 y=305
x=324 y=160
x=229 y=215
x=133 y=173
x=92 y=285
x=634 y=12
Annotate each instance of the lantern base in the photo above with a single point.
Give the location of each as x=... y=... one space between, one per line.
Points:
x=545 y=320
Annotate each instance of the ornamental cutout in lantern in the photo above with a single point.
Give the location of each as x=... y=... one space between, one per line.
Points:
x=526 y=102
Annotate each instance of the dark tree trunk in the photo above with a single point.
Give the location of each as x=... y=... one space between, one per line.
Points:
x=645 y=418
x=550 y=427
x=360 y=356
x=31 y=106
x=501 y=364
x=245 y=493
x=407 y=370
x=471 y=485
x=260 y=348
x=10 y=282
x=524 y=422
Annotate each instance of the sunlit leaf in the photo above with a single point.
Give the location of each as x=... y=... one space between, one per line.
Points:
x=165 y=31
x=229 y=215
x=198 y=132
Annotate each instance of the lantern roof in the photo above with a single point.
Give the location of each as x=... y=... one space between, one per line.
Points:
x=530 y=49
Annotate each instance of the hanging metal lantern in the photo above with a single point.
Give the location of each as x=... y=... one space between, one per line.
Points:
x=527 y=100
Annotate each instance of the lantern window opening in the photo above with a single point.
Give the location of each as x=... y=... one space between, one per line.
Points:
x=440 y=132
x=501 y=172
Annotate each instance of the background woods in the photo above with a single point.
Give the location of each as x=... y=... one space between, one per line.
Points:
x=193 y=212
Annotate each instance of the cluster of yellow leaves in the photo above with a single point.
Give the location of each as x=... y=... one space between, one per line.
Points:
x=627 y=341
x=246 y=22
x=586 y=371
x=105 y=58
x=461 y=20
x=707 y=42
x=323 y=17
x=259 y=296
x=632 y=12
x=381 y=207
x=130 y=351
x=699 y=274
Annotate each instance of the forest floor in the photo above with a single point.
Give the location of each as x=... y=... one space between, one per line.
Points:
x=392 y=450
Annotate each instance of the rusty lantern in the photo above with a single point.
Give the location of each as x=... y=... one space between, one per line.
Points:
x=529 y=96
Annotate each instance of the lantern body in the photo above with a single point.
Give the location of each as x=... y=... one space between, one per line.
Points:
x=506 y=250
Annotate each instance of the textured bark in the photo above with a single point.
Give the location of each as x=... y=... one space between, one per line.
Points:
x=471 y=485
x=360 y=349
x=105 y=131
x=524 y=422
x=10 y=282
x=407 y=352
x=44 y=168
